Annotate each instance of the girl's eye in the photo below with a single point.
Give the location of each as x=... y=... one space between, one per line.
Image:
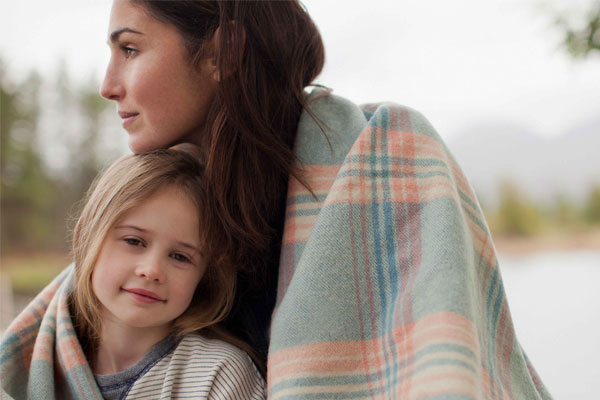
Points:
x=133 y=241
x=128 y=51
x=180 y=257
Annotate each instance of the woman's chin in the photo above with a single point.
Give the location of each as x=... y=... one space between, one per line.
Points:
x=189 y=148
x=137 y=149
x=138 y=146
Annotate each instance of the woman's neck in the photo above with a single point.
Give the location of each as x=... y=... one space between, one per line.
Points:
x=120 y=347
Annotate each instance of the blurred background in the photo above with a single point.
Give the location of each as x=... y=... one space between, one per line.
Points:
x=513 y=87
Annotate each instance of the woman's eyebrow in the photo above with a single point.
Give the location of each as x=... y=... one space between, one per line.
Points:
x=114 y=36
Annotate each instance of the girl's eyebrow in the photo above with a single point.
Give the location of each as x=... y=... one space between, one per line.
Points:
x=114 y=36
x=131 y=227
x=137 y=228
x=189 y=246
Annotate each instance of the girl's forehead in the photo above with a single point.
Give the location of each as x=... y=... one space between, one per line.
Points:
x=167 y=194
x=167 y=210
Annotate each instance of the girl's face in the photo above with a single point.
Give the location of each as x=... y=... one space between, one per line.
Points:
x=162 y=99
x=150 y=263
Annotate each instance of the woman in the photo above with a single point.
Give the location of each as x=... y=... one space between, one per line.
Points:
x=387 y=281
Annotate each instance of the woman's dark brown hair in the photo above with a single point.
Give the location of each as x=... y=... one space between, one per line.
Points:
x=266 y=52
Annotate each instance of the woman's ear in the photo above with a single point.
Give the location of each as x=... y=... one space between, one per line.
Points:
x=234 y=43
x=207 y=62
x=210 y=64
x=215 y=74
x=214 y=70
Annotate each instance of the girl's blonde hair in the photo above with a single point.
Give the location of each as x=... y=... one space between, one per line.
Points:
x=128 y=182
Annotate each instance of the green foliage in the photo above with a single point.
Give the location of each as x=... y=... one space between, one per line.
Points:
x=591 y=211
x=564 y=212
x=29 y=275
x=35 y=201
x=27 y=196
x=516 y=215
x=582 y=39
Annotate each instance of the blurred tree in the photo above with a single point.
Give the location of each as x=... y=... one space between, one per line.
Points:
x=27 y=196
x=87 y=155
x=85 y=160
x=591 y=212
x=73 y=113
x=564 y=213
x=582 y=31
x=516 y=215
x=50 y=140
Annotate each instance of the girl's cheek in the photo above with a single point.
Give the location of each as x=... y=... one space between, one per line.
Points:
x=186 y=281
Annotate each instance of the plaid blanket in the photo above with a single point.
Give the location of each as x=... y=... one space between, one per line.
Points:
x=389 y=286
x=40 y=355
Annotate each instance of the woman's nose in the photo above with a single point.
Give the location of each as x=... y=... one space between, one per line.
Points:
x=112 y=87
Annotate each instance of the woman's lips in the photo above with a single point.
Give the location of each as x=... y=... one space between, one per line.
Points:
x=128 y=118
x=144 y=296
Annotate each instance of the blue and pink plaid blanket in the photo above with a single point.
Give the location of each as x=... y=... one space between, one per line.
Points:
x=389 y=286
x=40 y=355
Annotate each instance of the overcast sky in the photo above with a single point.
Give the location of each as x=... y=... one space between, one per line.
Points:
x=460 y=63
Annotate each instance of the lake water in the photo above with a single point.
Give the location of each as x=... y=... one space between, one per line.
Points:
x=554 y=300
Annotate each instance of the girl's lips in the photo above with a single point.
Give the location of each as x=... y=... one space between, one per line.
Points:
x=144 y=296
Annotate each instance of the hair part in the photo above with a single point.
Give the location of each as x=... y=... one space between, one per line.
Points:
x=128 y=182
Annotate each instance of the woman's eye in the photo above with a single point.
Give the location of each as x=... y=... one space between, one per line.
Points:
x=180 y=257
x=133 y=241
x=129 y=51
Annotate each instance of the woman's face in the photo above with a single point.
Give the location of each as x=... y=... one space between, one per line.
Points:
x=162 y=99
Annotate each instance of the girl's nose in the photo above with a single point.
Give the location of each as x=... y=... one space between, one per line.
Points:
x=151 y=269
x=112 y=87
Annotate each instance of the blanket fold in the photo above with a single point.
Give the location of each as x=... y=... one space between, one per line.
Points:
x=389 y=285
x=40 y=355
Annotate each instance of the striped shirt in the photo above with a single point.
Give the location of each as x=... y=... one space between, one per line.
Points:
x=196 y=368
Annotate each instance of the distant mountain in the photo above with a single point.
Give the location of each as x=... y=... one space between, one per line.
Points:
x=541 y=167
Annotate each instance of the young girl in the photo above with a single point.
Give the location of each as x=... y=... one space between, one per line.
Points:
x=136 y=316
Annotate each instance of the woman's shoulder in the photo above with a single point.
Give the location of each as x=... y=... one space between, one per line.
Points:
x=345 y=123
x=324 y=97
x=333 y=109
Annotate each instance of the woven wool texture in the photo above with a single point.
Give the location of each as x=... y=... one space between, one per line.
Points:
x=389 y=285
x=41 y=357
